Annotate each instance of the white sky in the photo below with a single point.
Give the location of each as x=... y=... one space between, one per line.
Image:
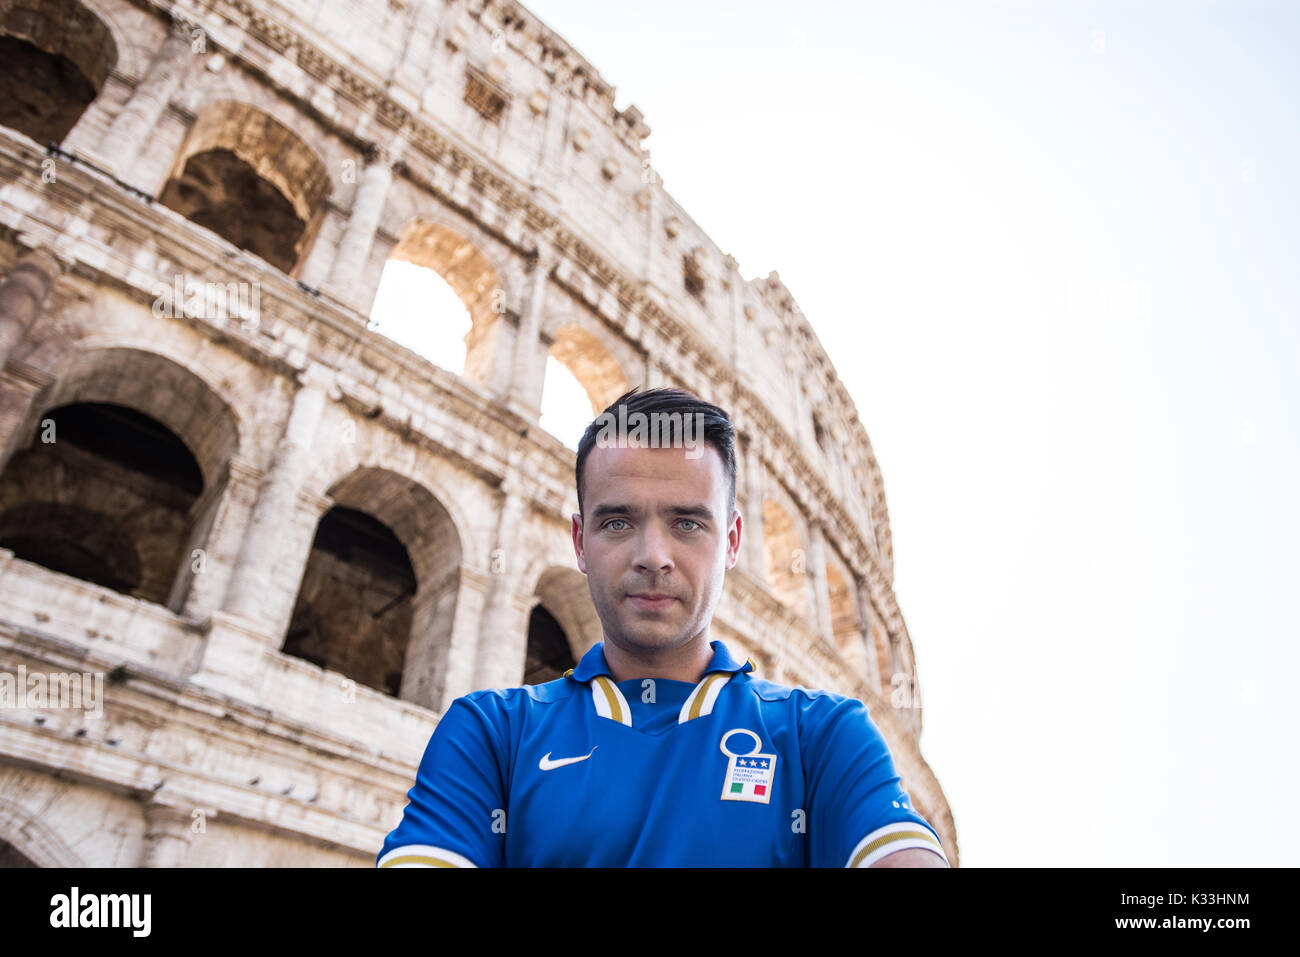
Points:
x=1064 y=238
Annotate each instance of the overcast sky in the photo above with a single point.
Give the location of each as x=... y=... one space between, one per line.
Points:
x=1063 y=237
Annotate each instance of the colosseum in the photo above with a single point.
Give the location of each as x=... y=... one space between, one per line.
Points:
x=250 y=546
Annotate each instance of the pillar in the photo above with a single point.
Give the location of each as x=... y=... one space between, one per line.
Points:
x=21 y=386
x=735 y=285
x=816 y=570
x=751 y=538
x=866 y=617
x=528 y=368
x=803 y=431
x=132 y=126
x=320 y=261
x=428 y=667
x=550 y=166
x=890 y=665
x=23 y=292
x=167 y=835
x=220 y=545
x=294 y=544
x=276 y=500
x=457 y=663
x=248 y=622
x=359 y=233
x=500 y=650
x=652 y=268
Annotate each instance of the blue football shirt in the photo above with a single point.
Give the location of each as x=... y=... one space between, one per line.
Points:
x=584 y=771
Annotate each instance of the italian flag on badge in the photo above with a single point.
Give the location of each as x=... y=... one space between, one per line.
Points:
x=749 y=776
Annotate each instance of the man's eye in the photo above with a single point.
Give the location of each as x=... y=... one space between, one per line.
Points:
x=693 y=522
x=613 y=520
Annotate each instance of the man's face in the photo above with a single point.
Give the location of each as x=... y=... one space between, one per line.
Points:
x=656 y=525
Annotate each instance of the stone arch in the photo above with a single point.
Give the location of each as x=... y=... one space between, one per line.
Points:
x=85 y=327
x=119 y=473
x=378 y=594
x=546 y=552
x=785 y=558
x=476 y=279
x=377 y=451
x=134 y=52
x=159 y=385
x=35 y=840
x=563 y=592
x=416 y=515
x=57 y=54
x=588 y=356
x=236 y=158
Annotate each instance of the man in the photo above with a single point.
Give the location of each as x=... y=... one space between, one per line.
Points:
x=659 y=749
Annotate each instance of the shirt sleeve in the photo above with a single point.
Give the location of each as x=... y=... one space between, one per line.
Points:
x=455 y=816
x=858 y=810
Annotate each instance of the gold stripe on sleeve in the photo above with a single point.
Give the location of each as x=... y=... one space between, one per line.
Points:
x=880 y=842
x=418 y=859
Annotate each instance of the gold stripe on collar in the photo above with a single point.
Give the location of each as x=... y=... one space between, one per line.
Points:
x=610 y=702
x=705 y=694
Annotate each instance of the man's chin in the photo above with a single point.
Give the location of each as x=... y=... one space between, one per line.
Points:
x=649 y=640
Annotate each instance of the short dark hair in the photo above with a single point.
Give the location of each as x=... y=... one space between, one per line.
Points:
x=716 y=429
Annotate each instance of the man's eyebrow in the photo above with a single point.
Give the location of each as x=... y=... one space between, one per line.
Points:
x=702 y=512
x=692 y=511
x=600 y=511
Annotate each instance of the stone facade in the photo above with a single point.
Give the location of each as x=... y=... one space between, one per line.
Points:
x=285 y=543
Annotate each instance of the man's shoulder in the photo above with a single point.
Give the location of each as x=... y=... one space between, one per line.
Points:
x=523 y=696
x=811 y=709
x=797 y=695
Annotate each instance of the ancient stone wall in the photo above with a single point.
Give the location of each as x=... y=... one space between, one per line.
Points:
x=193 y=226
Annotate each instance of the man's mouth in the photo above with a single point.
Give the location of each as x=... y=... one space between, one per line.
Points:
x=652 y=600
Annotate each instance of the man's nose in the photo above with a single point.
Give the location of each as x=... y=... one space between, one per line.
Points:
x=654 y=553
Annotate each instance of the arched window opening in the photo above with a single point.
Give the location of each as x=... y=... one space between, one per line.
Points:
x=417 y=308
x=74 y=541
x=221 y=192
x=103 y=493
x=549 y=656
x=566 y=408
x=56 y=56
x=582 y=380
x=354 y=607
x=378 y=595
x=565 y=597
x=440 y=296
x=252 y=181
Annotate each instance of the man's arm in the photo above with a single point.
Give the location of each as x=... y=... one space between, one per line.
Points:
x=860 y=815
x=911 y=857
x=455 y=816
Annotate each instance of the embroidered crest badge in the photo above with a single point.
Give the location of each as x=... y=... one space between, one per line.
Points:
x=749 y=776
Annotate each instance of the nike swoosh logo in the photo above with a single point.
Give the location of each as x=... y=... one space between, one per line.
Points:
x=546 y=764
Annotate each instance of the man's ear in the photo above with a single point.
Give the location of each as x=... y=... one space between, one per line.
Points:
x=577 y=542
x=733 y=539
